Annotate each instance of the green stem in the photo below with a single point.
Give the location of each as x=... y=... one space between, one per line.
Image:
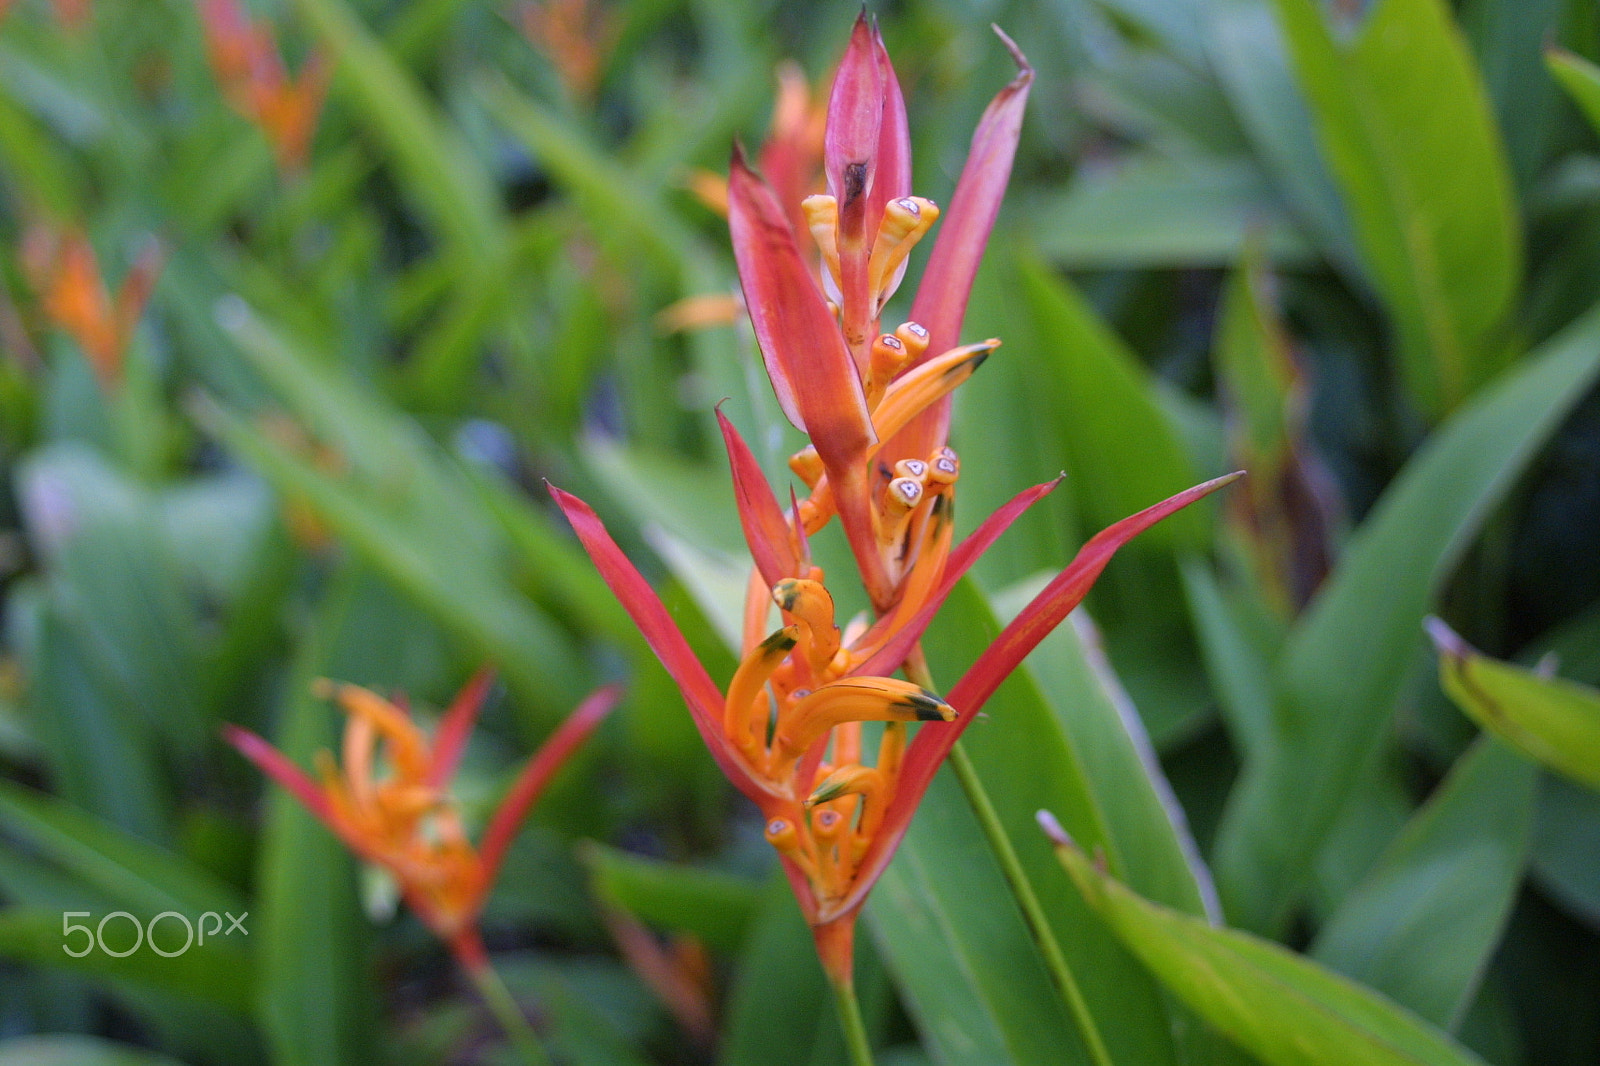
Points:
x=855 y=1032
x=506 y=1011
x=1032 y=913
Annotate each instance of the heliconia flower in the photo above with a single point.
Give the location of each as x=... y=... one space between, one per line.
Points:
x=787 y=730
x=253 y=78
x=831 y=363
x=406 y=821
x=64 y=271
x=576 y=36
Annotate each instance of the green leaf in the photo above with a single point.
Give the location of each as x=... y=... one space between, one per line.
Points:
x=1551 y=720
x=315 y=1003
x=75 y=1051
x=779 y=1010
x=716 y=907
x=117 y=585
x=1238 y=639
x=1579 y=77
x=1154 y=212
x=1346 y=660
x=218 y=972
x=970 y=977
x=1423 y=924
x=127 y=870
x=1247 y=51
x=406 y=509
x=1123 y=451
x=1566 y=847
x=444 y=177
x=1405 y=123
x=943 y=914
x=1281 y=1007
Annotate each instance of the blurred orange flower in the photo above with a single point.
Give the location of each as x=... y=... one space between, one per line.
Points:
x=406 y=821
x=64 y=272
x=257 y=84
x=576 y=36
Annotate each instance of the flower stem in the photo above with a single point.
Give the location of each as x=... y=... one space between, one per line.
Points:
x=1032 y=913
x=855 y=1032
x=503 y=1005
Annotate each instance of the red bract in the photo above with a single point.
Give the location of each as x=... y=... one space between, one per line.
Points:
x=787 y=730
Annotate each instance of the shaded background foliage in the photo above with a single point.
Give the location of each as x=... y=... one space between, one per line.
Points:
x=1359 y=263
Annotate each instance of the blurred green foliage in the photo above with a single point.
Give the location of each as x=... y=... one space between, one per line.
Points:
x=1352 y=247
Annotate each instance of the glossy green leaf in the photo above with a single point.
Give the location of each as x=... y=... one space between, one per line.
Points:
x=1422 y=926
x=943 y=914
x=716 y=907
x=1282 y=1007
x=75 y=1051
x=1551 y=720
x=1346 y=659
x=1165 y=213
x=1580 y=78
x=1406 y=126
x=218 y=973
x=405 y=507
x=1123 y=451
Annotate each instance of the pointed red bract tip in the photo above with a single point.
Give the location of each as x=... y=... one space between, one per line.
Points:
x=536 y=775
x=450 y=740
x=941 y=301
x=767 y=529
x=934 y=740
x=661 y=633
x=272 y=762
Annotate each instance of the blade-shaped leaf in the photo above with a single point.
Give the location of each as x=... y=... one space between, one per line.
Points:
x=717 y=907
x=1423 y=924
x=1161 y=212
x=1551 y=720
x=1580 y=78
x=1283 y=1008
x=1406 y=126
x=1346 y=660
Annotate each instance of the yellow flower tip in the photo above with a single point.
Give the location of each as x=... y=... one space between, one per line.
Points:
x=807 y=466
x=822 y=218
x=914 y=335
x=827 y=824
x=904 y=493
x=945 y=467
x=904 y=223
x=324 y=689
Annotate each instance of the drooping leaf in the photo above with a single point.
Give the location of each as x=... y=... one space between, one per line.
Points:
x=1553 y=721
x=1580 y=78
x=1282 y=1007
